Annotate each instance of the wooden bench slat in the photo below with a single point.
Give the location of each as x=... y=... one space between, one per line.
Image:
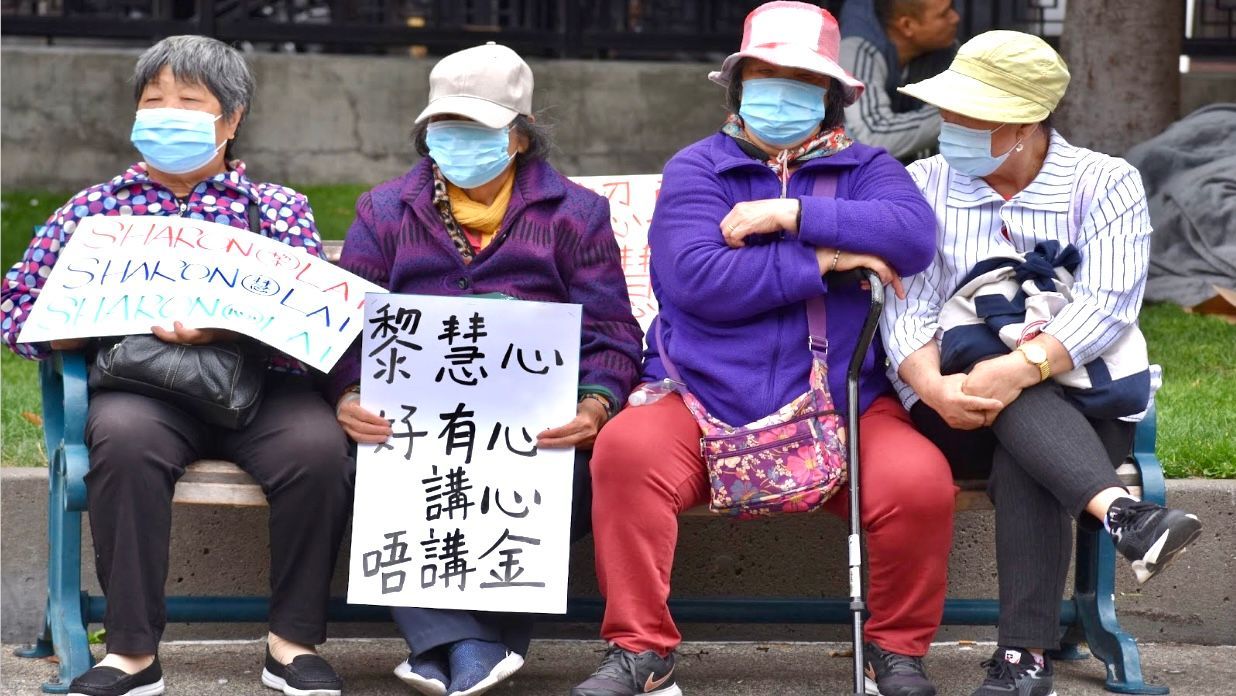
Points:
x=211 y=471
x=331 y=249
x=238 y=495
x=213 y=466
x=213 y=482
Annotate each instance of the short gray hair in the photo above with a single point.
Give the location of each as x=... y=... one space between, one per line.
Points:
x=200 y=60
x=537 y=134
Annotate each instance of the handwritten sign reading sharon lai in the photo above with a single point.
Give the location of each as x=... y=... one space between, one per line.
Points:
x=459 y=508
x=120 y=275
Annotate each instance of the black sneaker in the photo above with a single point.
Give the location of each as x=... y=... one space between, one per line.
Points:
x=306 y=675
x=1015 y=672
x=1150 y=535
x=624 y=673
x=109 y=681
x=891 y=674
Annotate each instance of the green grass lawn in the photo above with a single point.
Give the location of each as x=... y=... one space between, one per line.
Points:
x=1197 y=405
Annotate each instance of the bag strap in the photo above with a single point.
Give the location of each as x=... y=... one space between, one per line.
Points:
x=670 y=370
x=255 y=220
x=825 y=186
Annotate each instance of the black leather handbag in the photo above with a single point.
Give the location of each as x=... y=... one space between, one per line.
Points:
x=221 y=383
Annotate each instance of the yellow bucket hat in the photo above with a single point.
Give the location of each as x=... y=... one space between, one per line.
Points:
x=999 y=76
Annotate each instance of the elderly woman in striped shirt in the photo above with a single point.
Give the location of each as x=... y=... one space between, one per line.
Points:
x=1015 y=202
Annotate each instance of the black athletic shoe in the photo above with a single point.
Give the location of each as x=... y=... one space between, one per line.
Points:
x=306 y=675
x=109 y=681
x=624 y=673
x=1150 y=535
x=891 y=674
x=1015 y=672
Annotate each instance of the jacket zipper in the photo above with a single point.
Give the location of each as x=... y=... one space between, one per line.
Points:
x=776 y=357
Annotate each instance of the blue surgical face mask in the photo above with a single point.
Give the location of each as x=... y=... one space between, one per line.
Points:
x=968 y=150
x=469 y=154
x=175 y=141
x=781 y=112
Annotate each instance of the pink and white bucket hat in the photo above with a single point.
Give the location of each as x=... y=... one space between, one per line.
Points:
x=792 y=35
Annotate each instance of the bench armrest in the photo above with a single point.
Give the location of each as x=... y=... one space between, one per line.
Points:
x=65 y=401
x=1154 y=489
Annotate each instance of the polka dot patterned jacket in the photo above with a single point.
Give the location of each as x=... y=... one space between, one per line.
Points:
x=285 y=215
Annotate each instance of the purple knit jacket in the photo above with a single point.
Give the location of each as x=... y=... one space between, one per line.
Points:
x=735 y=320
x=555 y=244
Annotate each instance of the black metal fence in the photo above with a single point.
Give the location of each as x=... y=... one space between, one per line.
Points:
x=631 y=29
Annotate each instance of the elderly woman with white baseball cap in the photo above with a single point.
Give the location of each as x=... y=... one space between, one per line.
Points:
x=1010 y=192
x=484 y=213
x=744 y=229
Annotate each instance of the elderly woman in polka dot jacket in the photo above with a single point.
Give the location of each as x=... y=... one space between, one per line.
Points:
x=192 y=94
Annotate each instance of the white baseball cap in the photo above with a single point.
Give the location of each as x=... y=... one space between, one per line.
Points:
x=489 y=84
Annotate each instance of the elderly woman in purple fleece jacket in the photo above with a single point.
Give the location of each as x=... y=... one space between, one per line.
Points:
x=485 y=213
x=740 y=239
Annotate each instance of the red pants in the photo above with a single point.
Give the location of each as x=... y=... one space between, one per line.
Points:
x=646 y=469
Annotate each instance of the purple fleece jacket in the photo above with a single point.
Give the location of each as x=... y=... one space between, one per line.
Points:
x=555 y=244
x=735 y=320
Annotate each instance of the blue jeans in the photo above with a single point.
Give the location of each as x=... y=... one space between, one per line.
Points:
x=426 y=629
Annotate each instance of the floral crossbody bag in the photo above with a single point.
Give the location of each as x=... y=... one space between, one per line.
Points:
x=789 y=461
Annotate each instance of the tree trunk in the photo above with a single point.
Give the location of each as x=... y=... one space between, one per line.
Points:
x=1124 y=57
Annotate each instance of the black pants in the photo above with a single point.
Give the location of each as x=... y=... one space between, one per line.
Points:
x=1044 y=462
x=140 y=446
x=426 y=629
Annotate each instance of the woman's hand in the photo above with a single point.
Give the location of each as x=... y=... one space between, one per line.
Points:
x=1002 y=379
x=834 y=260
x=759 y=217
x=69 y=343
x=183 y=335
x=362 y=425
x=958 y=408
x=582 y=431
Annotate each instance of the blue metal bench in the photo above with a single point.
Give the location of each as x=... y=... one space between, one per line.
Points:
x=1089 y=616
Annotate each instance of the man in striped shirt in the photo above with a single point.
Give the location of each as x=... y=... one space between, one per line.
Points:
x=888 y=44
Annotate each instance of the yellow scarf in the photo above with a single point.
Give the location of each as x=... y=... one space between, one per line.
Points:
x=478 y=217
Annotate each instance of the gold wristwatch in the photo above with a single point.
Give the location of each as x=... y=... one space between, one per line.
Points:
x=1037 y=356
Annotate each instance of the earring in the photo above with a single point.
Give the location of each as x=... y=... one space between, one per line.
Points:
x=1019 y=147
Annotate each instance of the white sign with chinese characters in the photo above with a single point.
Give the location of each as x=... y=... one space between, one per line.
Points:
x=460 y=509
x=123 y=274
x=631 y=201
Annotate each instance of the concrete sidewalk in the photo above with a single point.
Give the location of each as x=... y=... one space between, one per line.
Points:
x=705 y=669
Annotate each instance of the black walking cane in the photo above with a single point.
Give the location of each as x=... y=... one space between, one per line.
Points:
x=858 y=603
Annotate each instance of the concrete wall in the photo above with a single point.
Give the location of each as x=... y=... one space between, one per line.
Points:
x=330 y=119
x=224 y=551
x=338 y=119
x=1202 y=88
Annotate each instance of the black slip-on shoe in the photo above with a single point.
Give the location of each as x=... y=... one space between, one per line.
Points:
x=109 y=681
x=305 y=675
